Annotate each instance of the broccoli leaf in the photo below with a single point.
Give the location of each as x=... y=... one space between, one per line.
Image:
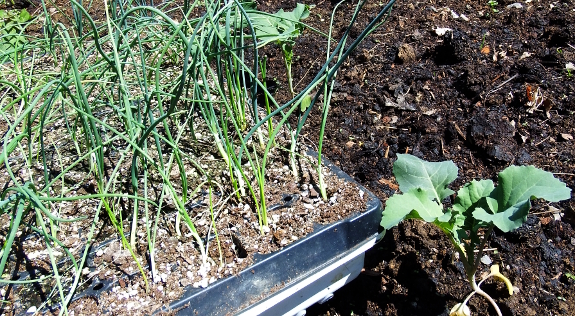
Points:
x=510 y=202
x=471 y=193
x=413 y=204
x=280 y=27
x=434 y=177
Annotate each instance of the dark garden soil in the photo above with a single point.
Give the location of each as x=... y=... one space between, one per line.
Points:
x=469 y=96
x=489 y=91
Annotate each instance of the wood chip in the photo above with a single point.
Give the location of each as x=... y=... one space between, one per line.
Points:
x=389 y=183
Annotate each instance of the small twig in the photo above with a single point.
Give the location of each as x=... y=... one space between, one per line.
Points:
x=545 y=212
x=539 y=143
x=486 y=249
x=304 y=75
x=501 y=85
x=459 y=131
x=495 y=79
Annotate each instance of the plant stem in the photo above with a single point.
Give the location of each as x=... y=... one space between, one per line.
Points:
x=477 y=258
x=292 y=155
x=479 y=291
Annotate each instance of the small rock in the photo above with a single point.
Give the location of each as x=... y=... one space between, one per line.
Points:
x=525 y=55
x=440 y=31
x=515 y=5
x=570 y=66
x=308 y=206
x=406 y=53
x=312 y=193
x=349 y=144
x=566 y=136
x=464 y=18
x=31 y=310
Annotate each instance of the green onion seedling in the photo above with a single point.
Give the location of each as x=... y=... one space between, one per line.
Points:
x=479 y=207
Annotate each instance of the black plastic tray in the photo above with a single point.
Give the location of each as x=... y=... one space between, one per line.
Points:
x=283 y=267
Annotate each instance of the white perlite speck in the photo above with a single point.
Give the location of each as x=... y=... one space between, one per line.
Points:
x=441 y=30
x=486 y=260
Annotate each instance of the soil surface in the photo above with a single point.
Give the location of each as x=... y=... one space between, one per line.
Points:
x=450 y=80
x=490 y=91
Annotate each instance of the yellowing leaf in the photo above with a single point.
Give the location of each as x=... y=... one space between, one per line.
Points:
x=460 y=310
x=496 y=274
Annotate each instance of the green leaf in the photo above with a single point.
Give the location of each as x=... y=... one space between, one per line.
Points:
x=508 y=220
x=305 y=102
x=281 y=27
x=471 y=193
x=434 y=177
x=527 y=182
x=24 y=16
x=413 y=204
x=510 y=202
x=452 y=223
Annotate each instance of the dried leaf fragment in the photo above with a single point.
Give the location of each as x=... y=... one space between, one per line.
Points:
x=485 y=50
x=535 y=99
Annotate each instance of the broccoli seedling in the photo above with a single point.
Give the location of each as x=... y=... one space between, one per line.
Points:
x=283 y=27
x=478 y=207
